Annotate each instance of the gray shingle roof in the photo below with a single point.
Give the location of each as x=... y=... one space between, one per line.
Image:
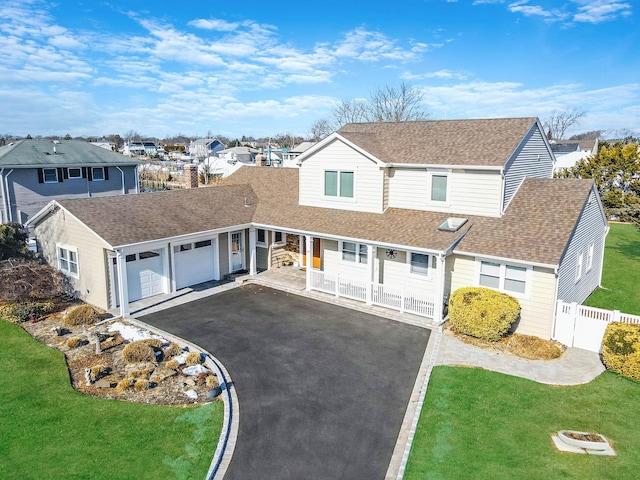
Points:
x=34 y=153
x=483 y=142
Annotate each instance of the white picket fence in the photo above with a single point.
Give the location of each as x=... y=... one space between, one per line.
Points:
x=583 y=327
x=398 y=298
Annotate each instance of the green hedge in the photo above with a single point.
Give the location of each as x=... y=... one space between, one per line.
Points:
x=621 y=349
x=482 y=312
x=21 y=312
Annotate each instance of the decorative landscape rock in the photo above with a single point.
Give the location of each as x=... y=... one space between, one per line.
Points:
x=191 y=394
x=195 y=370
x=160 y=374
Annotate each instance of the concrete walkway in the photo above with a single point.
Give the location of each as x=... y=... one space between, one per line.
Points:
x=574 y=367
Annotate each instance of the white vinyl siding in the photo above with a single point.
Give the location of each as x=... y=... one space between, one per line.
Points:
x=537 y=308
x=531 y=159
x=397 y=272
x=367 y=182
x=470 y=192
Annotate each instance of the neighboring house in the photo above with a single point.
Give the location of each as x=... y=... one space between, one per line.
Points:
x=34 y=172
x=148 y=149
x=570 y=152
x=106 y=144
x=289 y=159
x=372 y=215
x=228 y=161
x=205 y=147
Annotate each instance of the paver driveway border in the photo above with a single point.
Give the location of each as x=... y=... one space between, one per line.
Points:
x=411 y=411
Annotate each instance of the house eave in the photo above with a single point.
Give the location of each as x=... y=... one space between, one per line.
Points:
x=507 y=259
x=493 y=168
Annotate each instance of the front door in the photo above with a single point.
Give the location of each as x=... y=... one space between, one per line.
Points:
x=237 y=251
x=316 y=252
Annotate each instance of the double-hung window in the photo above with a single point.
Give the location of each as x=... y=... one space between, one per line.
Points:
x=579 y=262
x=338 y=184
x=50 y=175
x=97 y=173
x=354 y=252
x=73 y=172
x=261 y=235
x=278 y=238
x=420 y=264
x=68 y=260
x=439 y=187
x=590 y=258
x=509 y=278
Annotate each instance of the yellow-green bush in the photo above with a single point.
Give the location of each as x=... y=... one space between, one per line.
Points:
x=81 y=315
x=173 y=364
x=621 y=349
x=21 y=312
x=141 y=384
x=194 y=358
x=138 y=352
x=155 y=343
x=482 y=312
x=172 y=350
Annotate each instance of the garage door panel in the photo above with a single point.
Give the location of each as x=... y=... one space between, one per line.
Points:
x=144 y=276
x=195 y=264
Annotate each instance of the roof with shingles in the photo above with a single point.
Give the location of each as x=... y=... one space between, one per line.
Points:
x=30 y=153
x=537 y=224
x=536 y=227
x=476 y=142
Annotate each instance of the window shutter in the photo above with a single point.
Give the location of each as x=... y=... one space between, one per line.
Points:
x=65 y=170
x=106 y=173
x=60 y=175
x=90 y=174
x=40 y=175
x=84 y=172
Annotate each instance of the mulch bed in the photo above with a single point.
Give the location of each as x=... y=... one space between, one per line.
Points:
x=168 y=388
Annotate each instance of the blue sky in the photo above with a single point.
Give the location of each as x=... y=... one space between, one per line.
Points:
x=261 y=68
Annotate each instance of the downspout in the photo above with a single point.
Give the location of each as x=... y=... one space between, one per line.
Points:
x=4 y=203
x=554 y=317
x=137 y=180
x=9 y=214
x=121 y=176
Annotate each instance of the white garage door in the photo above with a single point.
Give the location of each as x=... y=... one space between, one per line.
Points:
x=194 y=263
x=144 y=274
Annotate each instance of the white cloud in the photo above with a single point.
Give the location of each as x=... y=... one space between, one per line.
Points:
x=601 y=10
x=214 y=24
x=439 y=74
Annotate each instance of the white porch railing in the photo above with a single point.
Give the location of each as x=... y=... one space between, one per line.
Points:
x=398 y=298
x=583 y=327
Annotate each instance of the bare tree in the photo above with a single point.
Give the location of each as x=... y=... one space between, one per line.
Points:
x=559 y=122
x=401 y=104
x=320 y=129
x=591 y=134
x=350 y=111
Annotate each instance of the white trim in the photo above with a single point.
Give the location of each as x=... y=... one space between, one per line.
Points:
x=93 y=177
x=590 y=257
x=409 y=258
x=69 y=250
x=511 y=261
x=283 y=239
x=242 y=250
x=579 y=266
x=265 y=243
x=495 y=168
x=358 y=253
x=439 y=203
x=44 y=175
x=79 y=176
x=502 y=276
x=337 y=197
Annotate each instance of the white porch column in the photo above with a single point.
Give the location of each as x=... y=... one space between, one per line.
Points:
x=301 y=251
x=439 y=296
x=309 y=260
x=371 y=255
x=252 y=251
x=122 y=284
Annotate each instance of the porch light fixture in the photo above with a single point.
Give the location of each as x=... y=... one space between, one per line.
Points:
x=452 y=224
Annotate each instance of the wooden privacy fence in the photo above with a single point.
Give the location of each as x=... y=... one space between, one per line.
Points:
x=583 y=327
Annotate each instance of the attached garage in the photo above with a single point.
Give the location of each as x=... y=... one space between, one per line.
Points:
x=195 y=262
x=145 y=274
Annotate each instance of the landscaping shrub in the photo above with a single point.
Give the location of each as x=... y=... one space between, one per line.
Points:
x=21 y=312
x=141 y=384
x=173 y=364
x=31 y=281
x=74 y=342
x=138 y=352
x=172 y=350
x=99 y=371
x=482 y=312
x=81 y=315
x=124 y=384
x=154 y=342
x=144 y=373
x=194 y=358
x=621 y=349
x=212 y=381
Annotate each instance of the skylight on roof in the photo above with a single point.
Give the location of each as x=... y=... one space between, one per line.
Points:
x=452 y=224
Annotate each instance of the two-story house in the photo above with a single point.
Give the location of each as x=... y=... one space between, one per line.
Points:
x=397 y=215
x=34 y=172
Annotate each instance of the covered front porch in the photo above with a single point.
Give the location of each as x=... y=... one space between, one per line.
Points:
x=406 y=281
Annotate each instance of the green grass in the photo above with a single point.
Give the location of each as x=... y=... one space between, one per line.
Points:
x=621 y=272
x=477 y=424
x=48 y=430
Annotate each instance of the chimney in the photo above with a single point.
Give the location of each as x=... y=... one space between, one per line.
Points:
x=191 y=176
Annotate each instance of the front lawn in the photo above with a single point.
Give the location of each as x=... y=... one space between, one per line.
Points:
x=477 y=424
x=621 y=272
x=49 y=430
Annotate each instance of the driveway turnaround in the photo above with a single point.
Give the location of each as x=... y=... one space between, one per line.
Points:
x=322 y=389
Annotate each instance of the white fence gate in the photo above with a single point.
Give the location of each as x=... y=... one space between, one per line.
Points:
x=583 y=327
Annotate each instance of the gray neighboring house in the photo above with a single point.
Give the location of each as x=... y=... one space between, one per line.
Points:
x=34 y=172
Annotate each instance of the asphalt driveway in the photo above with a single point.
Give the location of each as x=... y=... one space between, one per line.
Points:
x=322 y=389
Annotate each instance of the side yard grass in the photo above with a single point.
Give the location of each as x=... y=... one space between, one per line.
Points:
x=621 y=272
x=49 y=430
x=481 y=424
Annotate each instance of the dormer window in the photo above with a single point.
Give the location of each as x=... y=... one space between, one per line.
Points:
x=338 y=184
x=439 y=187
